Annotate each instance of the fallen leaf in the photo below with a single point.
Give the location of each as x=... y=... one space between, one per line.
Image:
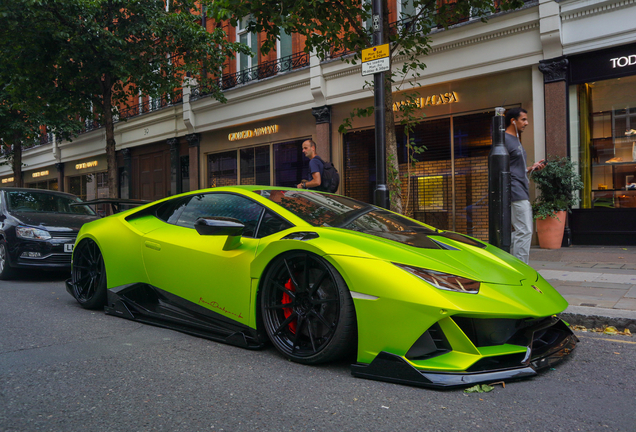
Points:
x=479 y=388
x=617 y=353
x=503 y=384
x=610 y=330
x=627 y=332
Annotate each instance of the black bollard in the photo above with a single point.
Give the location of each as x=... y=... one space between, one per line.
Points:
x=499 y=192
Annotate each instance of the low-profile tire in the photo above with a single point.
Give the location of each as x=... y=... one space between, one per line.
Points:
x=88 y=275
x=307 y=309
x=6 y=271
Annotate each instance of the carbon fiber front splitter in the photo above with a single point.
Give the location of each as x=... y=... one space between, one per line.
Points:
x=393 y=368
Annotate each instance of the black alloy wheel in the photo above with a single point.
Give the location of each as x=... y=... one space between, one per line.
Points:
x=89 y=275
x=6 y=272
x=307 y=309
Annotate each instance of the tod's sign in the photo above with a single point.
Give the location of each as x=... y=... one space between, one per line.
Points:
x=623 y=61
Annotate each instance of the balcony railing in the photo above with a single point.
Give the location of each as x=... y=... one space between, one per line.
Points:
x=263 y=70
x=135 y=110
x=150 y=106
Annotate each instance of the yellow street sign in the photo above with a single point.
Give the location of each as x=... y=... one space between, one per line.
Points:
x=376 y=52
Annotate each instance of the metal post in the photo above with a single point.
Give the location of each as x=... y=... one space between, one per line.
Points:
x=499 y=192
x=381 y=191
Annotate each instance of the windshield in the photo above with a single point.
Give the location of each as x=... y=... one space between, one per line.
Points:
x=328 y=210
x=44 y=202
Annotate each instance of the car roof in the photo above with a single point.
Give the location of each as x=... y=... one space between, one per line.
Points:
x=13 y=189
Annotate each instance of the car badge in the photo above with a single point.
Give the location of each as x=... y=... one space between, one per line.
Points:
x=537 y=289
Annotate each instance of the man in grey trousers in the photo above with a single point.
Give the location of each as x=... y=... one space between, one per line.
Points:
x=516 y=122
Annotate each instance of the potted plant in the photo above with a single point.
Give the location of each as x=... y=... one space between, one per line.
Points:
x=558 y=185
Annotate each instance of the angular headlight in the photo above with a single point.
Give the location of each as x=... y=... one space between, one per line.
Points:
x=31 y=233
x=443 y=281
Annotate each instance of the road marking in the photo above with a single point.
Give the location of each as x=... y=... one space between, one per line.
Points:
x=605 y=339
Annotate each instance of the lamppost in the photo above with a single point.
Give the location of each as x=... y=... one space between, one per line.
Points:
x=381 y=194
x=499 y=193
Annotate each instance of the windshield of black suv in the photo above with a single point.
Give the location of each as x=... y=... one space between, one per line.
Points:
x=45 y=202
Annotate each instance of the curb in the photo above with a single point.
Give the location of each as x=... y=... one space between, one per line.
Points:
x=598 y=317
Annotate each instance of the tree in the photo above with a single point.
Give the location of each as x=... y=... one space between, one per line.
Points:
x=339 y=26
x=106 y=51
x=29 y=99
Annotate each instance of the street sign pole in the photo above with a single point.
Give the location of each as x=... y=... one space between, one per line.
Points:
x=381 y=194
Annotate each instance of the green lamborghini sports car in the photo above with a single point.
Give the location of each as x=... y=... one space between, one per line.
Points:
x=322 y=276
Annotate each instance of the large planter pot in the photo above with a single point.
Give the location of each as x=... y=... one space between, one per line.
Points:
x=550 y=231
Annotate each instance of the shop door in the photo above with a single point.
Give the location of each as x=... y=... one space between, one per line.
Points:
x=152 y=176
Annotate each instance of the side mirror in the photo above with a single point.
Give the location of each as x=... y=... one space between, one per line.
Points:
x=219 y=226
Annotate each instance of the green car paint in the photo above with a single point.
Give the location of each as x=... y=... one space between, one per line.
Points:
x=393 y=307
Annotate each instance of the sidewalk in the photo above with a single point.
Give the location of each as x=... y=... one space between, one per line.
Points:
x=599 y=283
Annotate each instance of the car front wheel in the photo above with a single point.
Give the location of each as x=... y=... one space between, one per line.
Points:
x=307 y=309
x=6 y=272
x=89 y=275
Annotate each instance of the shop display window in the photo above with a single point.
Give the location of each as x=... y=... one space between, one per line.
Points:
x=255 y=166
x=436 y=194
x=89 y=186
x=222 y=169
x=607 y=151
x=44 y=184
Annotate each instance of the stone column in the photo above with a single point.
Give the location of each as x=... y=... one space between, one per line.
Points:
x=125 y=182
x=323 y=131
x=555 y=72
x=193 y=150
x=175 y=166
x=60 y=176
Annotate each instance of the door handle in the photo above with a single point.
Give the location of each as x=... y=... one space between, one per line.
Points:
x=152 y=245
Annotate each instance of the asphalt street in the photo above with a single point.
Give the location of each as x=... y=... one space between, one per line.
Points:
x=63 y=368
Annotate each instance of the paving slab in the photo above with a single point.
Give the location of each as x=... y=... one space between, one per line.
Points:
x=631 y=293
x=626 y=303
x=605 y=285
x=590 y=292
x=581 y=264
x=590 y=302
x=608 y=266
x=617 y=278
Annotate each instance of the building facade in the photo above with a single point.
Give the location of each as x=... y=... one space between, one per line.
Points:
x=537 y=58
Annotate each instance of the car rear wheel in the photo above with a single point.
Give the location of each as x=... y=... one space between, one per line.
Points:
x=89 y=275
x=6 y=272
x=307 y=309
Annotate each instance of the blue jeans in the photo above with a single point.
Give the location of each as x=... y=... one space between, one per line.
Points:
x=522 y=235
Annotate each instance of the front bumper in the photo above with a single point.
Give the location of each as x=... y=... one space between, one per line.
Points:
x=53 y=254
x=393 y=368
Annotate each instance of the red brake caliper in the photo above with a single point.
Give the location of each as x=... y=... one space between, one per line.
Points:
x=288 y=311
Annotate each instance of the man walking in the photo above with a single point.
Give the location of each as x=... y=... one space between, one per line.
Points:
x=516 y=122
x=316 y=167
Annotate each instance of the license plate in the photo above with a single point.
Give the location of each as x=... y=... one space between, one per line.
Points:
x=68 y=247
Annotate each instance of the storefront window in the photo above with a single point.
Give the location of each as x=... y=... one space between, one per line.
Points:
x=255 y=166
x=290 y=165
x=251 y=166
x=89 y=186
x=446 y=185
x=222 y=169
x=607 y=143
x=44 y=184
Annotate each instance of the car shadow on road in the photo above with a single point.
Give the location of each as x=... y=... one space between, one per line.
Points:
x=28 y=275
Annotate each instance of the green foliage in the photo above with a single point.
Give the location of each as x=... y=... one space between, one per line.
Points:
x=98 y=53
x=479 y=388
x=341 y=26
x=558 y=185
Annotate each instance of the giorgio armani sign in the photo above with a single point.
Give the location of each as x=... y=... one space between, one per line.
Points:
x=603 y=64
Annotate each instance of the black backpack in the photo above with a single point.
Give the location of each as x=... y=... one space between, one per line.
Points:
x=330 y=179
